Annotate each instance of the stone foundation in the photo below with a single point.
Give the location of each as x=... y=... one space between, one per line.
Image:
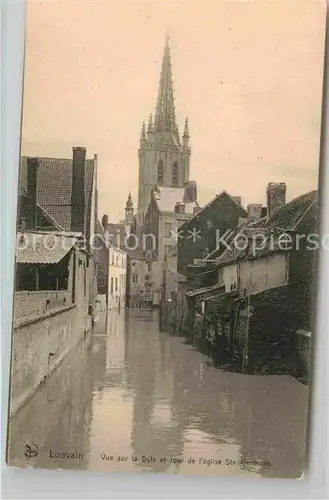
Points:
x=39 y=344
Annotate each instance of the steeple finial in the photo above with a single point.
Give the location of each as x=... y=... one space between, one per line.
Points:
x=150 y=125
x=143 y=134
x=186 y=131
x=129 y=202
x=165 y=119
x=129 y=209
x=186 y=136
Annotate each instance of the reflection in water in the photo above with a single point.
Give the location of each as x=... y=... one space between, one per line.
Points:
x=133 y=391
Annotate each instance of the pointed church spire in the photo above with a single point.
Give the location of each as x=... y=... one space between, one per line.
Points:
x=186 y=136
x=165 y=119
x=150 y=125
x=143 y=135
x=129 y=209
x=129 y=203
x=186 y=132
x=150 y=131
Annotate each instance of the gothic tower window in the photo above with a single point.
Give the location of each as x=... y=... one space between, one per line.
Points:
x=164 y=154
x=160 y=173
x=175 y=174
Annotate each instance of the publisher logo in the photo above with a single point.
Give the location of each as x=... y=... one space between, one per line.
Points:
x=31 y=450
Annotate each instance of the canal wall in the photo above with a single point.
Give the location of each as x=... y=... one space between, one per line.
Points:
x=39 y=344
x=64 y=404
x=254 y=334
x=27 y=304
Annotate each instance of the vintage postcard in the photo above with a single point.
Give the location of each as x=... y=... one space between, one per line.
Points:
x=167 y=236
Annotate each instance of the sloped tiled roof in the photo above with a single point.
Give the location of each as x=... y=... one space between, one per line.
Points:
x=49 y=218
x=206 y=289
x=291 y=214
x=54 y=187
x=167 y=197
x=220 y=195
x=228 y=239
x=44 y=248
x=285 y=219
x=232 y=253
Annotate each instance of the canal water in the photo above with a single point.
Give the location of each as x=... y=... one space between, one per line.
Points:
x=133 y=398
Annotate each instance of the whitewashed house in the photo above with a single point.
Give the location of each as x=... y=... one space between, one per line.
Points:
x=117 y=277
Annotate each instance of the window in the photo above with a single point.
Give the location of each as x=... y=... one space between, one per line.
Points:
x=167 y=229
x=112 y=282
x=149 y=267
x=117 y=260
x=160 y=173
x=112 y=258
x=116 y=284
x=135 y=278
x=174 y=179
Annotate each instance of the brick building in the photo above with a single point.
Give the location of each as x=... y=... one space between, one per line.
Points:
x=252 y=303
x=55 y=266
x=200 y=234
x=60 y=194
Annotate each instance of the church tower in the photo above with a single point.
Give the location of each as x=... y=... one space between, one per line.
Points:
x=129 y=210
x=164 y=157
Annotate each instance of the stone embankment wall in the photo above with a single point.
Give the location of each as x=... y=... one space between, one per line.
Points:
x=42 y=337
x=30 y=304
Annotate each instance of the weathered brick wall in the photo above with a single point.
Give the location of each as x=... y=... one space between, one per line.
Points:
x=65 y=405
x=27 y=304
x=39 y=345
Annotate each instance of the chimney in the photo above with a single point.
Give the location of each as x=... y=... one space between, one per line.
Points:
x=276 y=197
x=180 y=208
x=196 y=209
x=78 y=190
x=190 y=192
x=237 y=200
x=254 y=211
x=105 y=221
x=31 y=194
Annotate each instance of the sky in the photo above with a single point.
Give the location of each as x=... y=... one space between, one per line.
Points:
x=247 y=74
